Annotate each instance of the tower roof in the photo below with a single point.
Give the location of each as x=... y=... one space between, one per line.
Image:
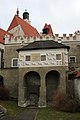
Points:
x=50 y=31
x=27 y=28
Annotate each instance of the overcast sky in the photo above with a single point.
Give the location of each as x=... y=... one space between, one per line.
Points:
x=63 y=15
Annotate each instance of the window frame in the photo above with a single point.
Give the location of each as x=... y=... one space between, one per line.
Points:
x=28 y=56
x=13 y=60
x=70 y=57
x=43 y=55
x=61 y=57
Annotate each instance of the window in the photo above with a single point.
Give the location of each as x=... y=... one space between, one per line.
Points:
x=15 y=62
x=72 y=59
x=27 y=58
x=58 y=56
x=43 y=57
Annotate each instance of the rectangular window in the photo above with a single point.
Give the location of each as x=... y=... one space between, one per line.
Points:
x=27 y=58
x=58 y=56
x=43 y=57
x=15 y=62
x=72 y=59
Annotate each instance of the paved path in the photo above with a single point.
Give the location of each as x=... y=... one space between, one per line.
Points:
x=28 y=114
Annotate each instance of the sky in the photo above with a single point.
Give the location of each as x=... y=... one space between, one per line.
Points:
x=63 y=15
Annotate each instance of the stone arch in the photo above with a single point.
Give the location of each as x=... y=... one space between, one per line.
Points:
x=1 y=81
x=32 y=87
x=52 y=82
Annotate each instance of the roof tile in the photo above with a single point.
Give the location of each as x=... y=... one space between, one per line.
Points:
x=48 y=44
x=2 y=34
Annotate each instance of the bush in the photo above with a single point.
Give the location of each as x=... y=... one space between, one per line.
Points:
x=64 y=102
x=4 y=93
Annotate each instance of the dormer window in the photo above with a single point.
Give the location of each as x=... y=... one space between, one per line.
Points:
x=45 y=31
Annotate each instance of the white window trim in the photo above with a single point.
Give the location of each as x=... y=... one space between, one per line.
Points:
x=61 y=57
x=72 y=56
x=27 y=55
x=41 y=55
x=12 y=62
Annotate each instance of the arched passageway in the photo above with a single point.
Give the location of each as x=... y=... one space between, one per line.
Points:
x=32 y=87
x=1 y=81
x=52 y=82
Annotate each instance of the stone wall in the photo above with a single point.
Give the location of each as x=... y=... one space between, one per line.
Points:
x=42 y=71
x=10 y=52
x=74 y=51
x=77 y=88
x=10 y=76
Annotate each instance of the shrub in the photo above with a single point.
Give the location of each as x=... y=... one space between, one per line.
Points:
x=65 y=103
x=4 y=93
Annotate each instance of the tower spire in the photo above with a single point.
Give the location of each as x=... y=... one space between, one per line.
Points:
x=17 y=12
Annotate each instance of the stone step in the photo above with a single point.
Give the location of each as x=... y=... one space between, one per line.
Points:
x=2 y=114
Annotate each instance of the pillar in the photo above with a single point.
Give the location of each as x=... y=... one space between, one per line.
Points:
x=21 y=98
x=42 y=98
x=62 y=85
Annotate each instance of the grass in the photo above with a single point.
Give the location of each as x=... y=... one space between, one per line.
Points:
x=43 y=114
x=50 y=114
x=11 y=106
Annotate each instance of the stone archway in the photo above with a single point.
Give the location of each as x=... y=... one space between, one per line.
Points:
x=52 y=82
x=32 y=87
x=1 y=81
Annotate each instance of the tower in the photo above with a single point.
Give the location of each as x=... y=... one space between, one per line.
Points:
x=26 y=15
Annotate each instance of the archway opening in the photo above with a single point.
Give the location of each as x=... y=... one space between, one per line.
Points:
x=52 y=82
x=32 y=87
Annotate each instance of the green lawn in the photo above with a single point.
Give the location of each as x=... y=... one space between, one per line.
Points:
x=50 y=114
x=11 y=106
x=43 y=114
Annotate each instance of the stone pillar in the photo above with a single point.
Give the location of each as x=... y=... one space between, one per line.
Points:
x=62 y=85
x=21 y=98
x=42 y=98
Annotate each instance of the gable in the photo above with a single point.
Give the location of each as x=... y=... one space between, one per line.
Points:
x=2 y=34
x=26 y=27
x=47 y=30
x=17 y=31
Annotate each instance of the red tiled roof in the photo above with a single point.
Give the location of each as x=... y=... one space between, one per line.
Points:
x=2 y=34
x=50 y=29
x=1 y=40
x=27 y=28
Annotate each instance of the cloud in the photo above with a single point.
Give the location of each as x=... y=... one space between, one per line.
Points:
x=63 y=15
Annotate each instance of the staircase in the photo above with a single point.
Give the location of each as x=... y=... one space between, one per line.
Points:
x=2 y=114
